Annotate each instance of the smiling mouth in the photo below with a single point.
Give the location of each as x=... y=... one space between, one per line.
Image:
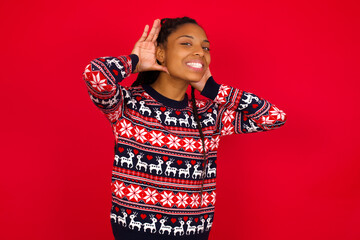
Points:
x=195 y=66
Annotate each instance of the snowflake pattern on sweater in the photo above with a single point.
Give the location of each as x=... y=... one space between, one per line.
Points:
x=156 y=178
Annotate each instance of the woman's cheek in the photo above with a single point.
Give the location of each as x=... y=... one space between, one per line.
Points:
x=175 y=67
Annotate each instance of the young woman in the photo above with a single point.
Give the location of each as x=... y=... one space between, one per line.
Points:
x=163 y=180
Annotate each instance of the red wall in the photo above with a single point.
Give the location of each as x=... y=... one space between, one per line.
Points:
x=299 y=182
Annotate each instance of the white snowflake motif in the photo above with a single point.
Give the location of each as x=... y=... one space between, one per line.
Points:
x=134 y=193
x=98 y=83
x=199 y=103
x=150 y=196
x=167 y=198
x=118 y=188
x=87 y=71
x=140 y=134
x=189 y=143
x=182 y=200
x=125 y=128
x=213 y=198
x=201 y=145
x=223 y=90
x=279 y=114
x=227 y=130
x=205 y=201
x=228 y=116
x=173 y=142
x=214 y=142
x=219 y=99
x=156 y=138
x=267 y=120
x=195 y=200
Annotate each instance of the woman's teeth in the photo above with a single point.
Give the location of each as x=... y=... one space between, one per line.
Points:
x=195 y=65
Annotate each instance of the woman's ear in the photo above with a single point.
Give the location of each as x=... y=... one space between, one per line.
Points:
x=160 y=54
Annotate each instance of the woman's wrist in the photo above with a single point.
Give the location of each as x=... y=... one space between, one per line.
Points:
x=134 y=62
x=210 y=89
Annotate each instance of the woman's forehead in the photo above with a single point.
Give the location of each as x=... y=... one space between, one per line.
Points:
x=189 y=30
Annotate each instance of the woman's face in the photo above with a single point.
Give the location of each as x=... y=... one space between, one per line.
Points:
x=187 y=55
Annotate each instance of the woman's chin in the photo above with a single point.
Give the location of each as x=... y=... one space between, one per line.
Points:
x=189 y=77
x=195 y=77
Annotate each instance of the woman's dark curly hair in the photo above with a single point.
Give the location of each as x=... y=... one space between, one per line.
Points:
x=168 y=26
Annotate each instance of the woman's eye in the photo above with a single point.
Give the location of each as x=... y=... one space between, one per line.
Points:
x=189 y=44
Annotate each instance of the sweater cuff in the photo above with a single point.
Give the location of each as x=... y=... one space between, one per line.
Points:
x=211 y=88
x=134 y=61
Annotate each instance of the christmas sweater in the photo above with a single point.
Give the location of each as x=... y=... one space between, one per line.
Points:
x=158 y=164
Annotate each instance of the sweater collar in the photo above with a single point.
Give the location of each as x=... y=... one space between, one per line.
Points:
x=164 y=100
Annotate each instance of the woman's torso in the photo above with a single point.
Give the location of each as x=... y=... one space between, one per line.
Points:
x=156 y=179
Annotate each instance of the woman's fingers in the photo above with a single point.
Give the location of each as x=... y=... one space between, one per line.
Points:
x=154 y=31
x=157 y=30
x=143 y=36
x=155 y=37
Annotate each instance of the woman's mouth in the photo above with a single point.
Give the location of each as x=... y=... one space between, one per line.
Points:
x=196 y=66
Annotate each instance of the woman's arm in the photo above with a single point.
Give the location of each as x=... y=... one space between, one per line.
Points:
x=240 y=111
x=102 y=77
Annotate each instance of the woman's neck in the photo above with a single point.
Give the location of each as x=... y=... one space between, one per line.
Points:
x=169 y=87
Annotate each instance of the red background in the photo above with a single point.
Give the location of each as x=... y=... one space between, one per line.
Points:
x=301 y=181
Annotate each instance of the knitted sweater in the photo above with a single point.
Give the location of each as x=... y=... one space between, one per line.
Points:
x=156 y=178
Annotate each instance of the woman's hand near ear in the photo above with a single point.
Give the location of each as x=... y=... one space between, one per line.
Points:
x=145 y=49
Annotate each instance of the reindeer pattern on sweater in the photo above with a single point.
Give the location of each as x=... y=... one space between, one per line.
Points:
x=158 y=161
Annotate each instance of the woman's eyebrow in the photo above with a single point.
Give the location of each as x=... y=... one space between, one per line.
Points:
x=188 y=36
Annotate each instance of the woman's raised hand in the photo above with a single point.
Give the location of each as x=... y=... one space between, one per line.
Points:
x=201 y=84
x=145 y=49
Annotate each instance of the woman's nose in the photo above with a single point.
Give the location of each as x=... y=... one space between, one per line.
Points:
x=199 y=51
